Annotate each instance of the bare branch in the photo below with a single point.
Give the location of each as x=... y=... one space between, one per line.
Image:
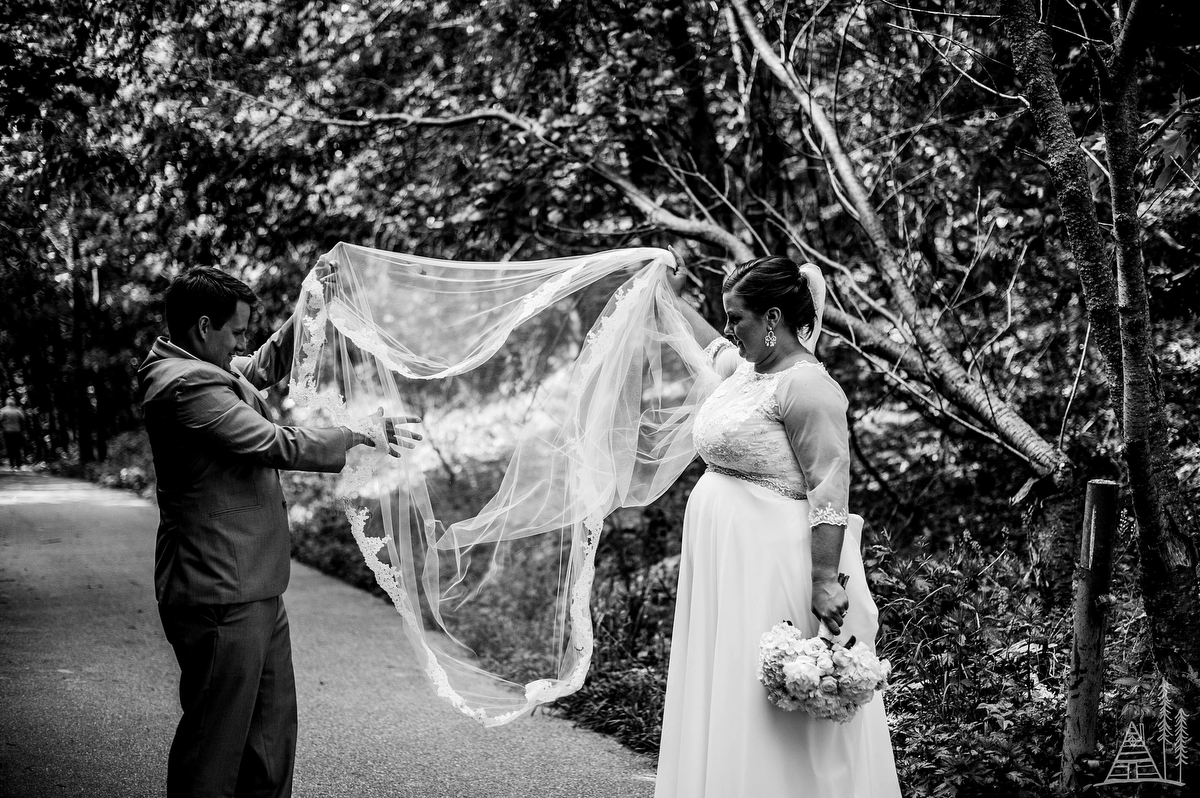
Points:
x=1092 y=156
x=956 y=384
x=745 y=81
x=868 y=338
x=392 y=119
x=955 y=14
x=1185 y=107
x=804 y=28
x=680 y=176
x=1132 y=40
x=1008 y=295
x=692 y=228
x=974 y=51
x=1033 y=58
x=950 y=61
x=1062 y=433
x=940 y=410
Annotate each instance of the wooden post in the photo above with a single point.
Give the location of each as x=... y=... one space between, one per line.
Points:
x=1087 y=650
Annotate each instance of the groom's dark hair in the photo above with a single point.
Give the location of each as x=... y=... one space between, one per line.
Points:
x=203 y=291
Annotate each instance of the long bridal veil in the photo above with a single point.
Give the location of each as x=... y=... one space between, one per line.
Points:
x=578 y=376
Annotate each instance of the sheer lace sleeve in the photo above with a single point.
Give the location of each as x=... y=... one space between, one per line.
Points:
x=813 y=409
x=723 y=355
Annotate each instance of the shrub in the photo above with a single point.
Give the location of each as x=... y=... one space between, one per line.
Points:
x=129 y=465
x=976 y=701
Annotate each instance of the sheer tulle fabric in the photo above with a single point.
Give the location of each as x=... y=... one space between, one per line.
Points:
x=607 y=425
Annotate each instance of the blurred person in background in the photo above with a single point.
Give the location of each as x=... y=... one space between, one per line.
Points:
x=13 y=424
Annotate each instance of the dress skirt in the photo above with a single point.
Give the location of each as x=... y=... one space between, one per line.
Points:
x=745 y=566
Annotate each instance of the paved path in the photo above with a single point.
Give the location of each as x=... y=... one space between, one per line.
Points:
x=87 y=681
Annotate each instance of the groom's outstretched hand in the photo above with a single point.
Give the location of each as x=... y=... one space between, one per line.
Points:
x=397 y=438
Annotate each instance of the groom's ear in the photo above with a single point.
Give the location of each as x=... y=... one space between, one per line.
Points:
x=203 y=327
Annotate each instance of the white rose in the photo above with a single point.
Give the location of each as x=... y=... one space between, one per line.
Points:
x=802 y=675
x=813 y=647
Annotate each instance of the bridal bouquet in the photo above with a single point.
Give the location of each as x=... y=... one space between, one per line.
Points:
x=820 y=676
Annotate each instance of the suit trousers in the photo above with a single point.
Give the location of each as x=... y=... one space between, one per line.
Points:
x=14 y=446
x=237 y=736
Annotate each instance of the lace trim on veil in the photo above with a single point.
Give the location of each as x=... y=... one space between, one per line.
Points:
x=303 y=391
x=316 y=317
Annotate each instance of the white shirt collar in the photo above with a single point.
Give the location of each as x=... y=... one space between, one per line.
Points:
x=174 y=349
x=178 y=351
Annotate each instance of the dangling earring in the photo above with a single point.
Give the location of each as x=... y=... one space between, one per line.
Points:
x=771 y=339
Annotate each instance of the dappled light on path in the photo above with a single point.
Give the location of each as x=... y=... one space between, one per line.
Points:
x=26 y=489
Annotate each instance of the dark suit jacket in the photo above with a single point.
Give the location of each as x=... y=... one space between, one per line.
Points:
x=223 y=531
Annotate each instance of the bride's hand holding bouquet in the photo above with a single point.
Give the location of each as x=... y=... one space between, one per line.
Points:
x=824 y=677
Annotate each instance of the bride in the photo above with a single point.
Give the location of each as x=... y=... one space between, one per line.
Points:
x=766 y=534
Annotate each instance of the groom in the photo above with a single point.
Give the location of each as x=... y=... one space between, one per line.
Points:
x=222 y=556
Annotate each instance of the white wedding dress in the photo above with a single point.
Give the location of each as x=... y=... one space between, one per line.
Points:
x=746 y=566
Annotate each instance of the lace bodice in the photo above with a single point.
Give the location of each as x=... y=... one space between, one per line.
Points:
x=786 y=431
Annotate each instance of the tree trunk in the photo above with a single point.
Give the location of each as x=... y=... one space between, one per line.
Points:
x=59 y=382
x=1087 y=648
x=1033 y=59
x=766 y=179
x=83 y=415
x=1167 y=541
x=1170 y=567
x=103 y=416
x=701 y=136
x=708 y=184
x=1052 y=523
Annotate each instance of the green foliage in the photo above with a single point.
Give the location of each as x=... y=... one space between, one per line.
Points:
x=976 y=702
x=129 y=465
x=140 y=138
x=320 y=533
x=254 y=135
x=625 y=702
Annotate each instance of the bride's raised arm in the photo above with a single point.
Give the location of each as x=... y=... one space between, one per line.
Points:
x=721 y=352
x=704 y=332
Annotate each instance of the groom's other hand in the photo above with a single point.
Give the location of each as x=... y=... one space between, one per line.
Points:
x=397 y=438
x=327 y=274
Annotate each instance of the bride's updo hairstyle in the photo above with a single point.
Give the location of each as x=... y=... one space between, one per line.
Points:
x=774 y=282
